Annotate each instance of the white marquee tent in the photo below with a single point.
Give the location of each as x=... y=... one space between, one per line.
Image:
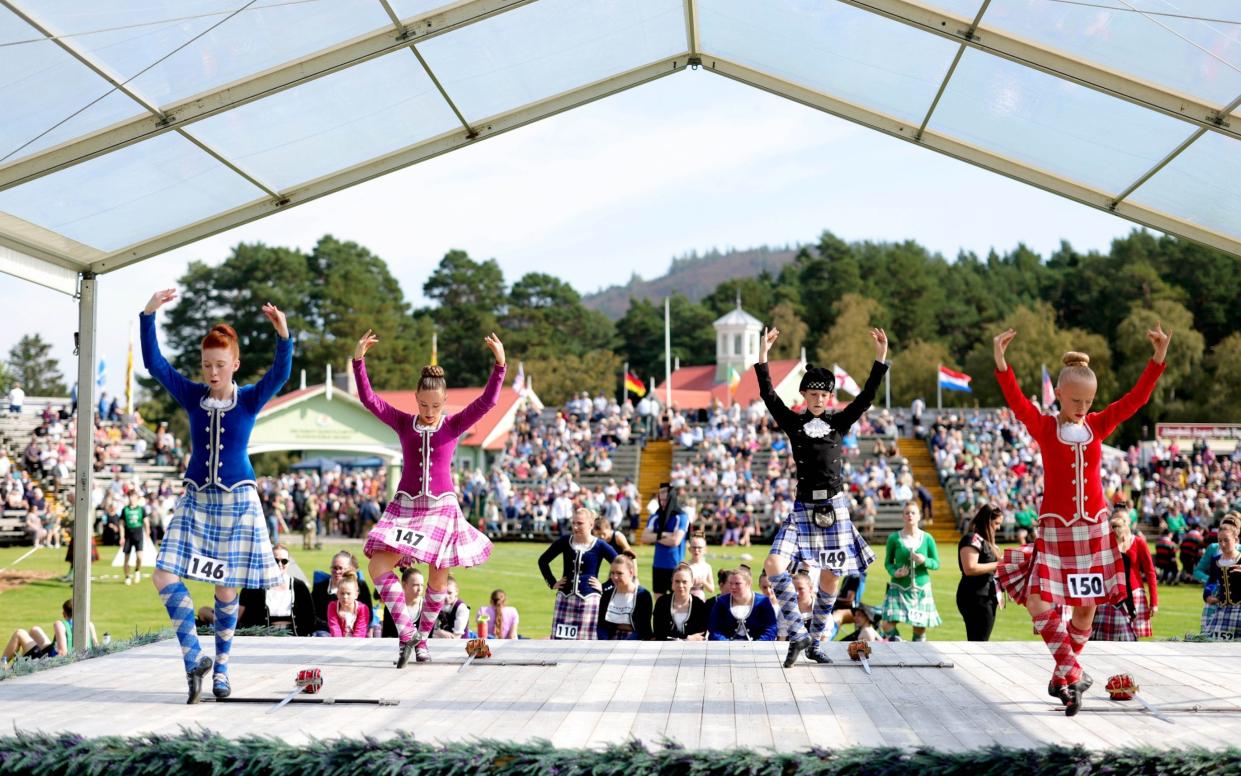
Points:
x=131 y=127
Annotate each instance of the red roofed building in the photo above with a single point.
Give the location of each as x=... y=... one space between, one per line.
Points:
x=736 y=351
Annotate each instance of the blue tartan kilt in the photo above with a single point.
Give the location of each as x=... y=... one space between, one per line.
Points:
x=219 y=536
x=838 y=548
x=1225 y=622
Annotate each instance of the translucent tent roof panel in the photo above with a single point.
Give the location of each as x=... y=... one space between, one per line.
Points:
x=119 y=198
x=1202 y=184
x=259 y=37
x=834 y=49
x=407 y=8
x=545 y=48
x=47 y=95
x=1054 y=125
x=966 y=9
x=1191 y=56
x=332 y=122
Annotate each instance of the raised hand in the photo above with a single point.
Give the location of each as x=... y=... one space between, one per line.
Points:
x=159 y=299
x=1000 y=342
x=1159 y=340
x=364 y=344
x=496 y=346
x=881 y=343
x=764 y=345
x=277 y=319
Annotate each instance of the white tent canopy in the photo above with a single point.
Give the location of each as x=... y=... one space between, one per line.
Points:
x=132 y=128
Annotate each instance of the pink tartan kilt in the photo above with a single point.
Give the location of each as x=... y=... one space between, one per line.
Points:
x=1061 y=550
x=422 y=529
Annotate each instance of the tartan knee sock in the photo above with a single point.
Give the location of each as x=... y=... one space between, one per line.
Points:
x=786 y=597
x=1051 y=627
x=225 y=624
x=430 y=612
x=393 y=596
x=181 y=611
x=823 y=603
x=1078 y=637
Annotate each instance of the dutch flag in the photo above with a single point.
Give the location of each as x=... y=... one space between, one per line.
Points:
x=954 y=381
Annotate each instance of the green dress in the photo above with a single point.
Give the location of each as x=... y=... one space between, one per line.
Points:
x=909 y=598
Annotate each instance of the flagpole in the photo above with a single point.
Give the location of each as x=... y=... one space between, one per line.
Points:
x=668 y=352
x=434 y=348
x=939 y=388
x=624 y=393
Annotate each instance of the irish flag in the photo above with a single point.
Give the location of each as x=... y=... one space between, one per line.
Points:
x=734 y=379
x=954 y=381
x=634 y=385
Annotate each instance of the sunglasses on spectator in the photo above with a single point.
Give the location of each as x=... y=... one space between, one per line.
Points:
x=282 y=561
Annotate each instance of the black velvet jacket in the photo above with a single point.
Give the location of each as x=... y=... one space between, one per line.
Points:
x=816 y=441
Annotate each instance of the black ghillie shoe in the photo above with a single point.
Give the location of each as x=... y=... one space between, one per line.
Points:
x=1071 y=697
x=194 y=678
x=403 y=656
x=817 y=653
x=795 y=649
x=220 y=687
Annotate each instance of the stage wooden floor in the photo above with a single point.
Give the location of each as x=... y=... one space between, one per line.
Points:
x=717 y=695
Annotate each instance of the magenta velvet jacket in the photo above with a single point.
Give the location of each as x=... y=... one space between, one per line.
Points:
x=427 y=451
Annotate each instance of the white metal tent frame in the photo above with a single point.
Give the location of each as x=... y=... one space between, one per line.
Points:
x=64 y=264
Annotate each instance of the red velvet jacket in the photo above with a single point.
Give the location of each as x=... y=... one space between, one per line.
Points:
x=1073 y=487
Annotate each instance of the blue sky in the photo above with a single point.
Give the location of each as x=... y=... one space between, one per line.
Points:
x=690 y=162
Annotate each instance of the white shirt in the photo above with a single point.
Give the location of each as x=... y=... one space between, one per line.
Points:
x=620 y=608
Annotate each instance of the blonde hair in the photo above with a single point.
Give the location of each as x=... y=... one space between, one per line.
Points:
x=625 y=560
x=349 y=578
x=1076 y=367
x=1229 y=528
x=1119 y=521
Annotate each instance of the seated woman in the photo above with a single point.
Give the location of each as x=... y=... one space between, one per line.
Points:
x=681 y=615
x=740 y=614
x=35 y=643
x=501 y=618
x=347 y=618
x=625 y=608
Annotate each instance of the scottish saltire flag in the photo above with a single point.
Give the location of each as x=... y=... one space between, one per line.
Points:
x=101 y=373
x=519 y=382
x=1049 y=393
x=954 y=381
x=844 y=382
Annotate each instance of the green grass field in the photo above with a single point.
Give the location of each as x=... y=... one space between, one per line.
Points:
x=122 y=610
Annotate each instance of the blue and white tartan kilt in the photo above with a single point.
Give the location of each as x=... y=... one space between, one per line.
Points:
x=1225 y=623
x=838 y=548
x=1208 y=614
x=213 y=525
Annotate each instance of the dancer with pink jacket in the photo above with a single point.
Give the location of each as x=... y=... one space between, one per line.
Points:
x=423 y=523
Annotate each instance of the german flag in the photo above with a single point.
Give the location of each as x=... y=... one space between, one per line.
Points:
x=634 y=385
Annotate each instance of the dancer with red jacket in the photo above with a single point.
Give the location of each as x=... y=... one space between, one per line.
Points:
x=1075 y=561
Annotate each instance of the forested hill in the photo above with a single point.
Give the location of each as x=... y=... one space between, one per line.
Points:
x=695 y=276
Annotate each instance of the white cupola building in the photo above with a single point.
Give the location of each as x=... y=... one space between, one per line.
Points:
x=736 y=342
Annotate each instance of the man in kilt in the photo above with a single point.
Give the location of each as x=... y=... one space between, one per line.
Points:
x=576 y=613
x=1075 y=561
x=819 y=532
x=218 y=532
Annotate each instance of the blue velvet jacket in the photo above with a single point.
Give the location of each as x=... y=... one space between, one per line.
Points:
x=218 y=437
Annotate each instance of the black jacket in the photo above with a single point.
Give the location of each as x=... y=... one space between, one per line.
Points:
x=640 y=618
x=665 y=627
x=254 y=604
x=819 y=452
x=321 y=599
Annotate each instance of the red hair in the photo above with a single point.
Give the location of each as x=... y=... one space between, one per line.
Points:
x=222 y=336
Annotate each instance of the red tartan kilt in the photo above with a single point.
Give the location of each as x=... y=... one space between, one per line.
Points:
x=1062 y=550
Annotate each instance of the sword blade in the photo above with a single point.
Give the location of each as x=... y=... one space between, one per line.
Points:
x=292 y=694
x=1155 y=712
x=866 y=665
x=469 y=659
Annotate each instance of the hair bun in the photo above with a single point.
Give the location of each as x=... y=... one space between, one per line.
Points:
x=1073 y=358
x=225 y=330
x=433 y=370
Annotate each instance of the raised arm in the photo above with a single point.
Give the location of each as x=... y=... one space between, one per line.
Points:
x=784 y=417
x=1023 y=409
x=842 y=421
x=181 y=387
x=389 y=415
x=461 y=422
x=1123 y=408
